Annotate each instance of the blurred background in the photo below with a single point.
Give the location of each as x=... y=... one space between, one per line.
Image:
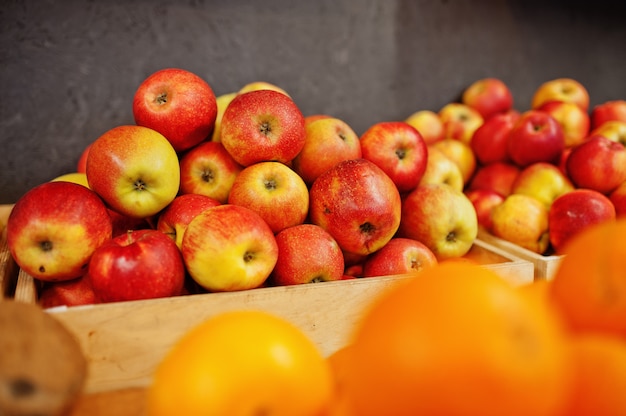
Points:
x=69 y=68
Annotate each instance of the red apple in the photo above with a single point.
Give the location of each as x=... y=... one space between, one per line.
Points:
x=54 y=228
x=561 y=89
x=209 y=170
x=460 y=121
x=461 y=154
x=173 y=220
x=81 y=165
x=574 y=212
x=484 y=200
x=535 y=137
x=442 y=218
x=574 y=120
x=134 y=169
x=328 y=141
x=358 y=204
x=263 y=125
x=489 y=142
x=614 y=130
x=399 y=256
x=123 y=223
x=495 y=176
x=228 y=248
x=612 y=110
x=178 y=104
x=274 y=191
x=68 y=293
x=398 y=149
x=598 y=163
x=142 y=264
x=428 y=124
x=306 y=254
x=618 y=198
x=488 y=96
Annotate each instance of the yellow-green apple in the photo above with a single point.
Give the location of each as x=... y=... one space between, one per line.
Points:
x=461 y=154
x=178 y=104
x=496 y=176
x=261 y=85
x=429 y=125
x=488 y=96
x=489 y=142
x=561 y=89
x=441 y=169
x=208 y=169
x=612 y=110
x=75 y=177
x=263 y=125
x=399 y=256
x=81 y=165
x=543 y=181
x=574 y=120
x=274 y=191
x=460 y=121
x=442 y=218
x=134 y=169
x=306 y=254
x=228 y=248
x=614 y=130
x=222 y=102
x=535 y=137
x=522 y=220
x=54 y=228
x=398 y=149
x=173 y=220
x=328 y=141
x=141 y=264
x=576 y=211
x=358 y=204
x=72 y=292
x=484 y=200
x=598 y=163
x=618 y=198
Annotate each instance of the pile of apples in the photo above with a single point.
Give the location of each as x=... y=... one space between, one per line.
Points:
x=240 y=191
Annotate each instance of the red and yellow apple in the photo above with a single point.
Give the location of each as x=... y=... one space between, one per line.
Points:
x=68 y=293
x=612 y=110
x=543 y=181
x=574 y=121
x=614 y=130
x=399 y=256
x=79 y=178
x=484 y=200
x=488 y=96
x=561 y=89
x=535 y=137
x=429 y=125
x=460 y=121
x=598 y=163
x=81 y=165
x=461 y=154
x=441 y=169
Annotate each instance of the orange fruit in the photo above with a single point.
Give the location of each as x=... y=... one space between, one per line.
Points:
x=458 y=340
x=242 y=363
x=600 y=376
x=338 y=361
x=589 y=286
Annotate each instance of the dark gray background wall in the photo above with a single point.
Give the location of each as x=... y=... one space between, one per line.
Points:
x=69 y=68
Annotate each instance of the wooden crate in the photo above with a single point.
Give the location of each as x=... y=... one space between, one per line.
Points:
x=545 y=265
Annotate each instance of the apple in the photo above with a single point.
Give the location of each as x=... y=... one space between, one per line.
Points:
x=358 y=204
x=535 y=137
x=614 y=130
x=261 y=85
x=134 y=169
x=561 y=89
x=173 y=220
x=79 y=178
x=399 y=256
x=441 y=217
x=306 y=254
x=618 y=198
x=68 y=293
x=208 y=169
x=488 y=96
x=141 y=264
x=81 y=165
x=429 y=125
x=328 y=141
x=598 y=164
x=123 y=223
x=460 y=121
x=398 y=149
x=178 y=104
x=574 y=212
x=574 y=120
x=490 y=141
x=274 y=191
x=222 y=102
x=543 y=181
x=228 y=248
x=522 y=220
x=54 y=228
x=484 y=200
x=441 y=169
x=461 y=154
x=496 y=176
x=314 y=117
x=263 y=125
x=612 y=110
